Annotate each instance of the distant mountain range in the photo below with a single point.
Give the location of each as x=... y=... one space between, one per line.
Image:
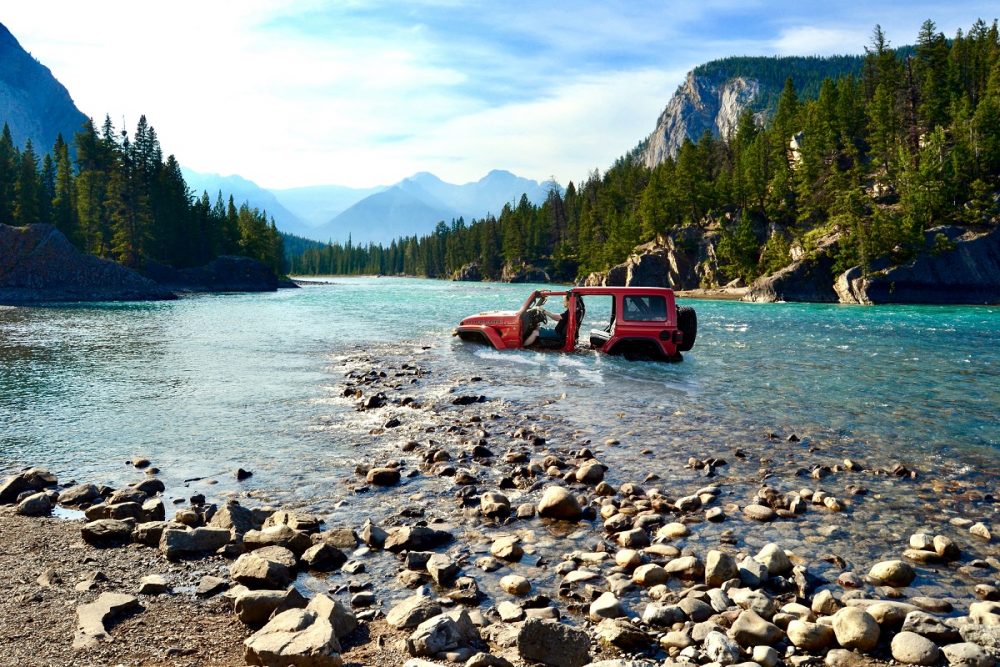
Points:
x=380 y=214
x=32 y=102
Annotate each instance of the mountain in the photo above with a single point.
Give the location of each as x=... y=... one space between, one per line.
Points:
x=400 y=210
x=318 y=204
x=714 y=95
x=244 y=190
x=416 y=204
x=32 y=102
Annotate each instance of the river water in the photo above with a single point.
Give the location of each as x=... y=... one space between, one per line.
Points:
x=209 y=383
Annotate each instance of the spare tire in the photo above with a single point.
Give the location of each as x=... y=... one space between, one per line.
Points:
x=687 y=322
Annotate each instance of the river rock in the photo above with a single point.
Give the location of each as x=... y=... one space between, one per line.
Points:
x=606 y=606
x=696 y=609
x=720 y=567
x=750 y=629
x=558 y=503
x=442 y=569
x=12 y=487
x=894 y=573
x=855 y=629
x=383 y=476
x=774 y=559
x=662 y=615
x=445 y=632
x=294 y=637
x=721 y=649
x=985 y=613
x=270 y=567
x=282 y=535
x=759 y=512
x=967 y=654
x=766 y=656
x=912 y=649
x=932 y=627
x=515 y=584
x=809 y=636
x=494 y=505
x=507 y=548
x=235 y=518
x=888 y=613
x=825 y=603
x=649 y=575
x=981 y=530
x=323 y=557
x=986 y=636
x=536 y=640
x=620 y=632
x=176 y=543
x=37 y=504
x=253 y=608
x=81 y=494
x=91 y=617
x=153 y=584
x=590 y=472
x=636 y=538
x=672 y=531
x=419 y=538
x=689 y=568
x=106 y=532
x=343 y=621
x=752 y=573
x=412 y=611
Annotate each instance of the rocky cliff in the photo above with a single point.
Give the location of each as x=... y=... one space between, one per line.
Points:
x=957 y=266
x=39 y=264
x=683 y=260
x=32 y=102
x=809 y=278
x=715 y=94
x=699 y=104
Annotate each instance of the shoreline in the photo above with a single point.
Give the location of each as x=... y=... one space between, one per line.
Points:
x=450 y=455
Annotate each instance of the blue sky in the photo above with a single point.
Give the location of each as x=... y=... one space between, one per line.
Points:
x=361 y=93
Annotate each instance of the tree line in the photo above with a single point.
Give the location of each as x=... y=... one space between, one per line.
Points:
x=909 y=141
x=116 y=197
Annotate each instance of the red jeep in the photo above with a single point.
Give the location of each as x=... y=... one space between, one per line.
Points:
x=645 y=322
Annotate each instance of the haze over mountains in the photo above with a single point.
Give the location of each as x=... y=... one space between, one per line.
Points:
x=379 y=214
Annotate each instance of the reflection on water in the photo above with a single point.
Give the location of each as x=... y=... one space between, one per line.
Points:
x=209 y=383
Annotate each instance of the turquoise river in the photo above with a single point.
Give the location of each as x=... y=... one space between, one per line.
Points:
x=208 y=383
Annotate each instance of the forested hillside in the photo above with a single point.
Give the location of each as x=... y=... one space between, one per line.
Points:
x=911 y=142
x=119 y=199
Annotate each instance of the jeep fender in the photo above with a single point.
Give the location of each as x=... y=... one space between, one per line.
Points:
x=481 y=334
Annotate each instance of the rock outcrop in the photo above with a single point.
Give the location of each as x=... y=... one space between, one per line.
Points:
x=514 y=272
x=957 y=266
x=682 y=260
x=468 y=273
x=39 y=264
x=228 y=273
x=809 y=278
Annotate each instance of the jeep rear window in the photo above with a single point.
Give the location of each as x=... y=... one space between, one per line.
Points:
x=645 y=308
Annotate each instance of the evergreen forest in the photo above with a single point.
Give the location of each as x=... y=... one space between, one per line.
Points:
x=908 y=141
x=120 y=200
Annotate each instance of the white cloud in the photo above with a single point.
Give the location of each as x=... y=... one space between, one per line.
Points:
x=811 y=40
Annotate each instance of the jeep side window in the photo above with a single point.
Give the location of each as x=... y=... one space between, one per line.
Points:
x=645 y=308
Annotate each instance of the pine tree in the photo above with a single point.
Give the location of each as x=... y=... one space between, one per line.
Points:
x=27 y=188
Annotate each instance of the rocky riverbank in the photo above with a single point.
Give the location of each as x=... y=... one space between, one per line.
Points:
x=472 y=531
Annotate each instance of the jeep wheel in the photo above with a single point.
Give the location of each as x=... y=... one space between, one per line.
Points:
x=687 y=322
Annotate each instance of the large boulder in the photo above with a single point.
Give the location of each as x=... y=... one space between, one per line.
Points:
x=38 y=263
x=298 y=637
x=270 y=567
x=445 y=632
x=956 y=266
